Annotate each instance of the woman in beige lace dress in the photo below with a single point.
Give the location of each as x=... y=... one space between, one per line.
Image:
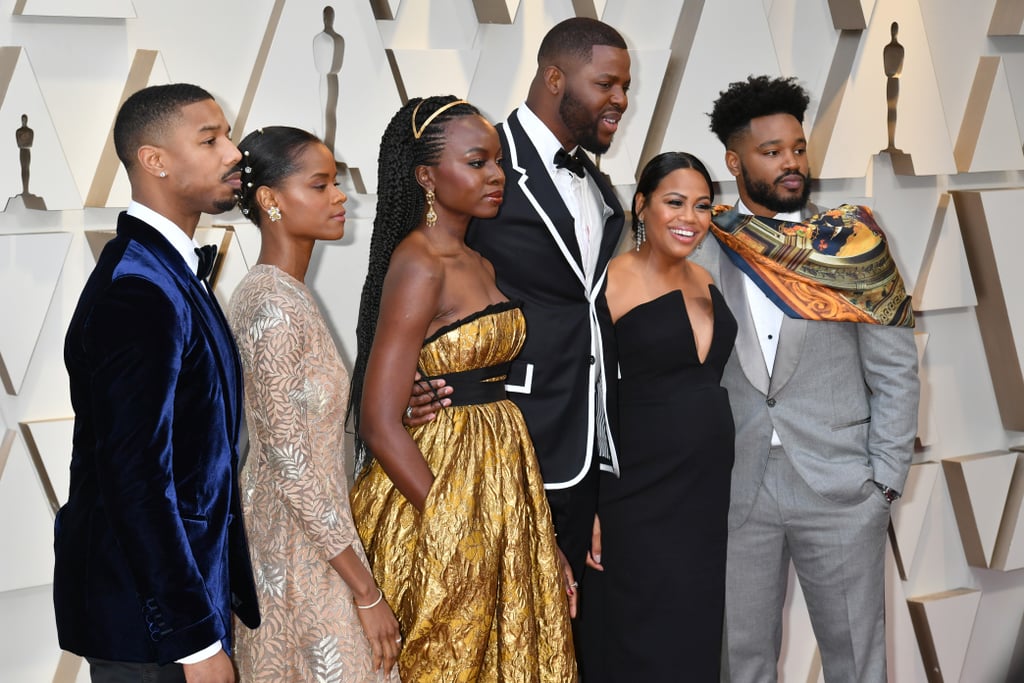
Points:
x=324 y=618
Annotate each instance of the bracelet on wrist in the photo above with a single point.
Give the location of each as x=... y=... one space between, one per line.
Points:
x=380 y=596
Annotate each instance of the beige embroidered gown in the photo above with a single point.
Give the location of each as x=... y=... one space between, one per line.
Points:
x=474 y=580
x=294 y=489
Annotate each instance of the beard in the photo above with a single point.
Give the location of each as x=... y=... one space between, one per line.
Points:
x=579 y=122
x=226 y=204
x=767 y=196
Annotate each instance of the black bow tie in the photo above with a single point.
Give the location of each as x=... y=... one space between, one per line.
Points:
x=207 y=257
x=570 y=162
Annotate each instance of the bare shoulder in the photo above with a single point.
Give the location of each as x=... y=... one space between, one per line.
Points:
x=415 y=257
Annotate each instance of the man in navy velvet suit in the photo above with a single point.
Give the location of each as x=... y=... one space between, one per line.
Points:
x=150 y=551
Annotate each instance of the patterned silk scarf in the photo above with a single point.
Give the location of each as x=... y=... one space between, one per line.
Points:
x=835 y=266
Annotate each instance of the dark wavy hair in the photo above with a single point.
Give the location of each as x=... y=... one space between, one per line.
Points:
x=145 y=116
x=269 y=155
x=576 y=37
x=757 y=96
x=400 y=207
x=659 y=167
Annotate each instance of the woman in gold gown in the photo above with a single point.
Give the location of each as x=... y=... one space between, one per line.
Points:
x=452 y=513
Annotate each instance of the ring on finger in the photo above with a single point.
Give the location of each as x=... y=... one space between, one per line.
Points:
x=574 y=584
x=408 y=411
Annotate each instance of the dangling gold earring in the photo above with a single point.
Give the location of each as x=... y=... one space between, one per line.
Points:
x=431 y=217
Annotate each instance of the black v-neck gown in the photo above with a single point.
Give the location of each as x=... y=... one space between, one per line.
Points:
x=655 y=613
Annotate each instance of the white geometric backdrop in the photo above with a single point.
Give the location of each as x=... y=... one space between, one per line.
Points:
x=955 y=580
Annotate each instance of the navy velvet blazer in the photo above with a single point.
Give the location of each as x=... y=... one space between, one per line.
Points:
x=532 y=245
x=150 y=550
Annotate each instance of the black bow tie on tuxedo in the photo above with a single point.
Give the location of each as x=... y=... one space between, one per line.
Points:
x=207 y=256
x=571 y=162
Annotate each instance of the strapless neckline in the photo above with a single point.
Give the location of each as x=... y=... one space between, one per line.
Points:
x=490 y=309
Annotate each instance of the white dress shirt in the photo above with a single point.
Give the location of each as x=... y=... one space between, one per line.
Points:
x=767 y=316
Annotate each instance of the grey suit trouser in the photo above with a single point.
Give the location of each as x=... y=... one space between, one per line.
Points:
x=838 y=552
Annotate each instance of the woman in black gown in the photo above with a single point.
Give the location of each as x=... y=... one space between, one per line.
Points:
x=653 y=610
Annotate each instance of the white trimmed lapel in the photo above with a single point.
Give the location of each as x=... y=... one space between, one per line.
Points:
x=542 y=184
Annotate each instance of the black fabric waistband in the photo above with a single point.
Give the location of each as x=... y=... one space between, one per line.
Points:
x=476 y=386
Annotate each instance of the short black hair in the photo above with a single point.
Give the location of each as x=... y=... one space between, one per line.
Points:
x=269 y=156
x=576 y=38
x=145 y=115
x=755 y=97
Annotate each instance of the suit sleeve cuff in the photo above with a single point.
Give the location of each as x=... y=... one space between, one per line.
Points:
x=202 y=655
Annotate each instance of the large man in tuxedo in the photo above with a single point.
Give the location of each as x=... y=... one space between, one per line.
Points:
x=151 y=555
x=824 y=392
x=550 y=244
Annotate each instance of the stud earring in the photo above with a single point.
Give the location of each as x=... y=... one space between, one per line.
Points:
x=431 y=217
x=163 y=174
x=274 y=214
x=640 y=236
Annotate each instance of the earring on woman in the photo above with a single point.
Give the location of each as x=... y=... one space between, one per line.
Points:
x=274 y=214
x=431 y=217
x=640 y=236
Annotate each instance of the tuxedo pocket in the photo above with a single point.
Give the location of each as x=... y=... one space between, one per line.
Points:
x=847 y=425
x=520 y=378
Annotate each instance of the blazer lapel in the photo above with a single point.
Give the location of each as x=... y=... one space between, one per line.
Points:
x=206 y=308
x=787 y=355
x=748 y=350
x=539 y=190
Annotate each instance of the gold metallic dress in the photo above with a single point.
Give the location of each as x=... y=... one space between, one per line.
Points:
x=474 y=579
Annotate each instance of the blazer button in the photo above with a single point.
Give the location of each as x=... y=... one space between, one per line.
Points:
x=592 y=360
x=771 y=402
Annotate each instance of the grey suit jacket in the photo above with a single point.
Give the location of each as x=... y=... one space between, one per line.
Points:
x=843 y=398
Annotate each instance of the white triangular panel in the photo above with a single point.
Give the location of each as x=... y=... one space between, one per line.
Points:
x=688 y=126
x=30 y=267
x=950 y=616
x=432 y=72
x=861 y=128
x=50 y=177
x=26 y=525
x=1002 y=209
x=908 y=514
x=100 y=9
x=897 y=205
x=945 y=278
x=1009 y=551
x=988 y=478
x=109 y=184
x=51 y=441
x=438 y=24
x=290 y=89
x=999 y=145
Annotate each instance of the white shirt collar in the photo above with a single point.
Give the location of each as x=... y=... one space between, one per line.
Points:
x=544 y=141
x=791 y=216
x=182 y=243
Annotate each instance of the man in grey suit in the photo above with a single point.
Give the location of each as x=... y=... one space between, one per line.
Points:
x=824 y=391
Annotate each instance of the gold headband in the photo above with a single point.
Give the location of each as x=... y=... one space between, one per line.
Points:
x=417 y=133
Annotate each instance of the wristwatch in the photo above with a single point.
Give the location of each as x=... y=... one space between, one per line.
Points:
x=890 y=494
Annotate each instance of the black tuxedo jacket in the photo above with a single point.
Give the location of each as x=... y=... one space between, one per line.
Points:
x=532 y=245
x=151 y=555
